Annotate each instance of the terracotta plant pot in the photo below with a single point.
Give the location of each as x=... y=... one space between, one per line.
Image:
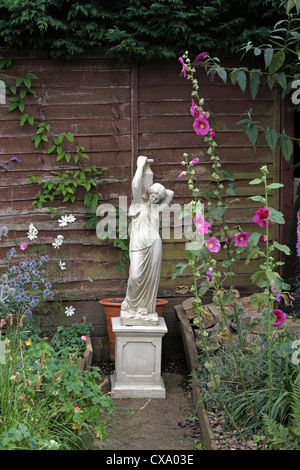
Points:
x=112 y=308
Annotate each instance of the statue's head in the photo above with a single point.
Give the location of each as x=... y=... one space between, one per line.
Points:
x=156 y=193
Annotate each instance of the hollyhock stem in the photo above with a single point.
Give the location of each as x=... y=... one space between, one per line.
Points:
x=268 y=288
x=211 y=368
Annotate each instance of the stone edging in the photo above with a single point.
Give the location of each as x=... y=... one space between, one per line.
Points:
x=191 y=354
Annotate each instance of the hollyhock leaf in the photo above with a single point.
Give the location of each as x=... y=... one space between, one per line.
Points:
x=276 y=216
x=231 y=189
x=228 y=174
x=217 y=212
x=179 y=269
x=283 y=248
x=259 y=278
x=275 y=186
x=256 y=181
x=254 y=238
x=257 y=198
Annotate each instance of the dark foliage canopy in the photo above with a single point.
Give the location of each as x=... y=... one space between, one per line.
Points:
x=134 y=28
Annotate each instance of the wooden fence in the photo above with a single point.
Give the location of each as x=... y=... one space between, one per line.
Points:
x=118 y=111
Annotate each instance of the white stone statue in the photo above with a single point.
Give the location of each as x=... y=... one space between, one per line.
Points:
x=145 y=248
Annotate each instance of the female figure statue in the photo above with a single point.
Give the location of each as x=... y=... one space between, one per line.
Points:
x=145 y=247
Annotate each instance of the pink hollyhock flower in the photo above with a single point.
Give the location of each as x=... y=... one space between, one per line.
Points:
x=209 y=274
x=228 y=240
x=195 y=161
x=201 y=126
x=262 y=238
x=76 y=409
x=23 y=246
x=183 y=66
x=201 y=56
x=213 y=245
x=201 y=226
x=280 y=317
x=194 y=111
x=204 y=115
x=83 y=338
x=241 y=239
x=212 y=133
x=260 y=217
x=181 y=174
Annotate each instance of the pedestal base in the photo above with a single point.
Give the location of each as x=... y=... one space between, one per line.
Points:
x=138 y=360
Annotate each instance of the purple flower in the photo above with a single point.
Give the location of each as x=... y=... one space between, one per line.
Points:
x=201 y=56
x=213 y=245
x=209 y=274
x=280 y=317
x=241 y=239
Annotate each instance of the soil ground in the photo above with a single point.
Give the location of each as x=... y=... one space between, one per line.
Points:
x=154 y=424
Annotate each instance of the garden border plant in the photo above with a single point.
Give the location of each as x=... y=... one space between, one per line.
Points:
x=212 y=274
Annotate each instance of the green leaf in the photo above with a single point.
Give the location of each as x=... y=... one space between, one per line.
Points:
x=252 y=133
x=283 y=248
x=275 y=186
x=231 y=189
x=271 y=138
x=286 y=146
x=69 y=136
x=228 y=174
x=268 y=54
x=217 y=212
x=281 y=79
x=276 y=216
x=254 y=85
x=259 y=278
x=179 y=269
x=241 y=79
x=256 y=181
x=276 y=62
x=222 y=73
x=257 y=198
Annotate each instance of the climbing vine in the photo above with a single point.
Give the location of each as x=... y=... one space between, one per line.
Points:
x=63 y=184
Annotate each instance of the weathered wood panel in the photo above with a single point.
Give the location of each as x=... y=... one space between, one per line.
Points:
x=117 y=112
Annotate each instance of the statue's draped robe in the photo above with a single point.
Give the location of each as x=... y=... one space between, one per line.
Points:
x=145 y=250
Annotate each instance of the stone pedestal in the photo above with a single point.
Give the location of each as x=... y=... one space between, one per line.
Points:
x=138 y=360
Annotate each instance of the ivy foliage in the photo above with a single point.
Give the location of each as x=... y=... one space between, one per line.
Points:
x=133 y=28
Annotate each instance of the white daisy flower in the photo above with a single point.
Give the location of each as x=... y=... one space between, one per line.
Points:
x=71 y=218
x=31 y=236
x=69 y=311
x=62 y=265
x=63 y=221
x=56 y=244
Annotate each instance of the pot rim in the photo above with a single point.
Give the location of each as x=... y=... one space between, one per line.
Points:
x=109 y=301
